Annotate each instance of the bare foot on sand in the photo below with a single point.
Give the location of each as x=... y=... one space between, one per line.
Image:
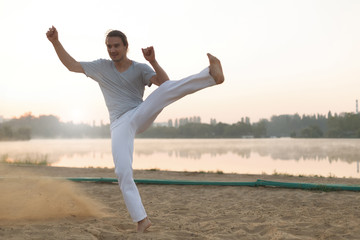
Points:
x=216 y=69
x=143 y=225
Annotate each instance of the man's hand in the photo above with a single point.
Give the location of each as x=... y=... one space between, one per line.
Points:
x=161 y=76
x=149 y=54
x=52 y=34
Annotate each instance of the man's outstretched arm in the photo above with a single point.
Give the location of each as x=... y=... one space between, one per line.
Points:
x=69 y=62
x=161 y=76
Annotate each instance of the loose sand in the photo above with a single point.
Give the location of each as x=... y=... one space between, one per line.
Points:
x=36 y=207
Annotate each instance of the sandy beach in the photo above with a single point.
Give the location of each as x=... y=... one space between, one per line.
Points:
x=40 y=205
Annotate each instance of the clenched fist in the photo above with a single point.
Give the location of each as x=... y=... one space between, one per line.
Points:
x=52 y=34
x=149 y=53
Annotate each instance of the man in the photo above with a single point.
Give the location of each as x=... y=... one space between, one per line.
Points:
x=122 y=82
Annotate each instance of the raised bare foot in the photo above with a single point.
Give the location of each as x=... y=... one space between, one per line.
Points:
x=216 y=69
x=143 y=225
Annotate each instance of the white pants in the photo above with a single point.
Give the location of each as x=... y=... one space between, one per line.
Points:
x=137 y=120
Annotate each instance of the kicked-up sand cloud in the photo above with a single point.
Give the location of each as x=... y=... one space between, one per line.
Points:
x=25 y=197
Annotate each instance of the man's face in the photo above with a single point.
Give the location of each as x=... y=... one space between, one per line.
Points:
x=116 y=49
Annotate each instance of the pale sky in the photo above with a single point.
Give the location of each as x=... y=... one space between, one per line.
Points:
x=279 y=57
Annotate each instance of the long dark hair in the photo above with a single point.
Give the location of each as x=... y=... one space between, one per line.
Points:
x=117 y=33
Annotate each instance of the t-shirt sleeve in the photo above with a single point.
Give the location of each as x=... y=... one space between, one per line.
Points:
x=147 y=74
x=93 y=69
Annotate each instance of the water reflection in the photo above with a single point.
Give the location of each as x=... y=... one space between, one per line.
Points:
x=339 y=157
x=278 y=149
x=60 y=152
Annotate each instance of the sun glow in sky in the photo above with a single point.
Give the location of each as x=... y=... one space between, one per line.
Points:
x=279 y=57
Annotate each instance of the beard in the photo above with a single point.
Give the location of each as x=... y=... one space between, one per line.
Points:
x=117 y=58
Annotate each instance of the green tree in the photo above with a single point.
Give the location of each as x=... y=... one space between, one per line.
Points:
x=311 y=132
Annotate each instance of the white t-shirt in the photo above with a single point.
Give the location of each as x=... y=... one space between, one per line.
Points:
x=122 y=91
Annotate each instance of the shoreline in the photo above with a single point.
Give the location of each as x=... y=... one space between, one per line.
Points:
x=43 y=170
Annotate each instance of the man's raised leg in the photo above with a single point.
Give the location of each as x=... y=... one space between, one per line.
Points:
x=171 y=91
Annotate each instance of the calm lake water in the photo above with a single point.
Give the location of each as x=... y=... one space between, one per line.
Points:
x=323 y=157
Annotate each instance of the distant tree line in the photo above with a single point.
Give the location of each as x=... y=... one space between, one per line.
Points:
x=201 y=130
x=345 y=125
x=48 y=126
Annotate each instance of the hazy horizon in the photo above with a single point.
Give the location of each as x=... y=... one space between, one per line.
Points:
x=93 y=122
